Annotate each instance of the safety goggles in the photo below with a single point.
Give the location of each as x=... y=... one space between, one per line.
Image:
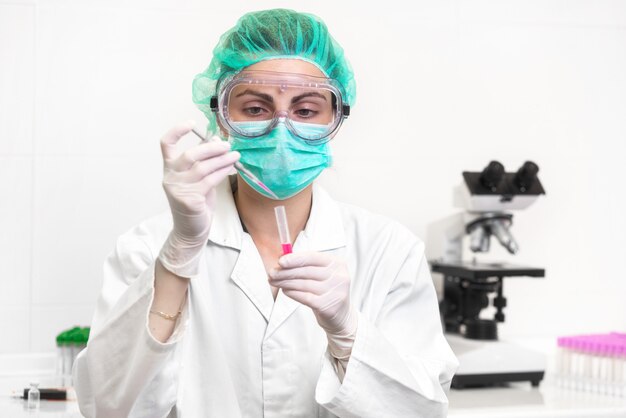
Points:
x=250 y=104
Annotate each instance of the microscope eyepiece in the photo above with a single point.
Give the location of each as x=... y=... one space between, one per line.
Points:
x=492 y=175
x=526 y=175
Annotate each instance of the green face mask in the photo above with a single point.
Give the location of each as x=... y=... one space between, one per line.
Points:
x=282 y=161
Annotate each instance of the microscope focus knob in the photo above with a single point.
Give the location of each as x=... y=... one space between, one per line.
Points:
x=526 y=175
x=499 y=302
x=492 y=175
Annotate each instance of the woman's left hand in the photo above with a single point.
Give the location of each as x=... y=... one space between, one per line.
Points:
x=321 y=282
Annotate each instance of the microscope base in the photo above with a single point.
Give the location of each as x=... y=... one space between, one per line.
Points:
x=488 y=363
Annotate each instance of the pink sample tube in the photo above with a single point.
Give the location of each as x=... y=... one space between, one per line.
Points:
x=283 y=229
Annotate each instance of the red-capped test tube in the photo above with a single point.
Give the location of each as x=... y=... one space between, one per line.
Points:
x=283 y=229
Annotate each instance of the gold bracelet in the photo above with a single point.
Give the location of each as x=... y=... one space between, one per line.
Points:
x=166 y=316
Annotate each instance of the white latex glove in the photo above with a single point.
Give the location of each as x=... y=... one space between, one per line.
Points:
x=189 y=181
x=321 y=282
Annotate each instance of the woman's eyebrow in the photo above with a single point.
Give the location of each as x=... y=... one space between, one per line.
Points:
x=270 y=99
x=264 y=96
x=307 y=94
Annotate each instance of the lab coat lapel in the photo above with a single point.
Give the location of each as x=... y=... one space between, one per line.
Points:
x=324 y=231
x=284 y=306
x=226 y=227
x=250 y=276
x=248 y=273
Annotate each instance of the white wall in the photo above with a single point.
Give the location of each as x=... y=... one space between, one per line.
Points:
x=88 y=87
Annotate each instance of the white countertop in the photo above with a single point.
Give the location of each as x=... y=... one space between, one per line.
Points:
x=517 y=400
x=16 y=373
x=16 y=408
x=13 y=407
x=520 y=400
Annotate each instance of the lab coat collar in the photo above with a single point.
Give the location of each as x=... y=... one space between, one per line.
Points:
x=324 y=230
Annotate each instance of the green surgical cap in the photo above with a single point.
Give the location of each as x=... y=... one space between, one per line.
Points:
x=266 y=34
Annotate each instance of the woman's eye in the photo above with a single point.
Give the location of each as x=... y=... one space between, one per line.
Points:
x=254 y=110
x=306 y=113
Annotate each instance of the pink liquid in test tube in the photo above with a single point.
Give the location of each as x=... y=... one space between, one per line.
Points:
x=283 y=229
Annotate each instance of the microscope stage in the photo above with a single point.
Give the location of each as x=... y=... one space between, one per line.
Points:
x=474 y=270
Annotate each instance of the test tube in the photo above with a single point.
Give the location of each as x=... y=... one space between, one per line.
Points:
x=283 y=229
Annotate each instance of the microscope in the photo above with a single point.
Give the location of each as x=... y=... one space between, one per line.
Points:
x=487 y=197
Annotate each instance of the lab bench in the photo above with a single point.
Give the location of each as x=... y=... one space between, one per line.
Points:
x=16 y=371
x=517 y=400
x=16 y=408
x=13 y=407
x=521 y=400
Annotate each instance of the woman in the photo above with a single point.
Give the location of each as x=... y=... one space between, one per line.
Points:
x=201 y=314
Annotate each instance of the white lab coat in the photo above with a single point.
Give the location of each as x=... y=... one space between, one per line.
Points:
x=238 y=353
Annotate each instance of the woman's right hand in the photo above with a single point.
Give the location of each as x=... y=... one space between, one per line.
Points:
x=189 y=181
